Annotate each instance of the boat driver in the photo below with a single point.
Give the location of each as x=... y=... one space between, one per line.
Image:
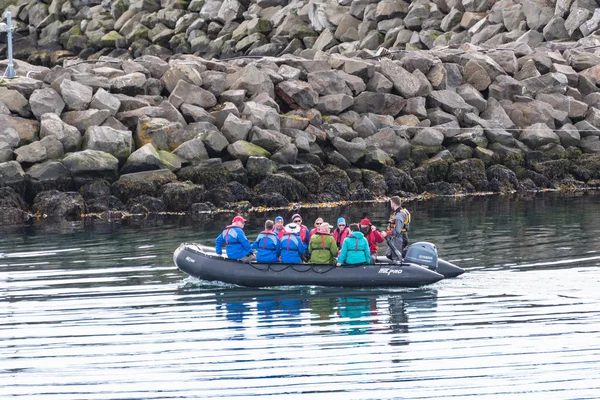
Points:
x=397 y=229
x=237 y=246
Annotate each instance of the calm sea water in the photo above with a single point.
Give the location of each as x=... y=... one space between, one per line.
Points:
x=97 y=310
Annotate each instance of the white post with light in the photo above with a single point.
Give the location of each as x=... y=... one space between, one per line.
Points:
x=10 y=69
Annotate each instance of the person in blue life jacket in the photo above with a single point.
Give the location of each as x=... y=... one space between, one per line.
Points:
x=237 y=246
x=292 y=247
x=278 y=225
x=267 y=245
x=355 y=249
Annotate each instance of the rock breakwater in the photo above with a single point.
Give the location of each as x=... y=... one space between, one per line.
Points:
x=149 y=106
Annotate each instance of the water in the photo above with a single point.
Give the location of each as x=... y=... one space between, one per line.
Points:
x=96 y=310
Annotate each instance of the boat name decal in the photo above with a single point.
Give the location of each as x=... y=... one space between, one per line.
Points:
x=190 y=259
x=389 y=271
x=425 y=257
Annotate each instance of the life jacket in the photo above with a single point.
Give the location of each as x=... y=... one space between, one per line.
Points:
x=392 y=221
x=303 y=234
x=269 y=240
x=323 y=247
x=230 y=232
x=292 y=238
x=339 y=236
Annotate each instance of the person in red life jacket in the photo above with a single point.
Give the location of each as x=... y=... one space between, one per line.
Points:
x=297 y=220
x=322 y=247
x=237 y=245
x=267 y=245
x=278 y=225
x=373 y=237
x=340 y=233
x=292 y=248
x=316 y=229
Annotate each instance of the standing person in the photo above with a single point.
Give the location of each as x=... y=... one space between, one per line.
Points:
x=316 y=229
x=237 y=246
x=267 y=245
x=397 y=228
x=322 y=247
x=355 y=249
x=292 y=247
x=373 y=237
x=278 y=225
x=340 y=233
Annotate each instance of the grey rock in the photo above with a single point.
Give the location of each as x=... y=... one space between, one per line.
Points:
x=270 y=140
x=44 y=101
x=27 y=130
x=449 y=101
x=575 y=19
x=476 y=75
x=131 y=84
x=569 y=135
x=538 y=135
x=235 y=129
x=243 y=150
x=182 y=72
x=548 y=83
x=555 y=30
x=88 y=162
x=352 y=151
x=297 y=94
x=157 y=131
x=214 y=141
x=52 y=126
x=328 y=82
x=102 y=100
x=472 y=97
x=192 y=151
x=286 y=155
x=185 y=92
x=590 y=144
x=428 y=137
x=213 y=81
x=334 y=104
x=254 y=81
x=261 y=116
x=193 y=113
x=416 y=106
x=404 y=82
x=84 y=119
x=108 y=140
x=391 y=142
x=76 y=96
x=369 y=102
x=379 y=84
x=365 y=127
x=575 y=109
x=31 y=153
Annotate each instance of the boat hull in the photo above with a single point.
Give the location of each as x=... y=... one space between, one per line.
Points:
x=190 y=259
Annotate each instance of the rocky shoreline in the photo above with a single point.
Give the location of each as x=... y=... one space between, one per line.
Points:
x=145 y=106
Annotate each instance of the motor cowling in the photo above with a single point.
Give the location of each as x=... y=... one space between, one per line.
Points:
x=422 y=253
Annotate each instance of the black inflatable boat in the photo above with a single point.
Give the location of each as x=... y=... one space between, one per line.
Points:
x=417 y=270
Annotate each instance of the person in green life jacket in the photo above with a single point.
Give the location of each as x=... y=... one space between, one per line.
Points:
x=322 y=247
x=355 y=249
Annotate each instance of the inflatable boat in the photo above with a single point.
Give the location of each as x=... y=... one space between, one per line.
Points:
x=421 y=267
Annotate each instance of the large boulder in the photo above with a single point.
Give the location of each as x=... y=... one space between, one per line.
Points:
x=76 y=96
x=52 y=126
x=192 y=151
x=44 y=101
x=92 y=163
x=261 y=116
x=187 y=93
x=469 y=172
x=103 y=138
x=179 y=196
x=156 y=131
x=538 y=135
x=147 y=183
x=297 y=94
x=243 y=150
x=27 y=130
x=60 y=205
x=283 y=184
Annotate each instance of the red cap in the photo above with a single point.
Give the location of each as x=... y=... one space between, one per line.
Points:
x=365 y=221
x=239 y=218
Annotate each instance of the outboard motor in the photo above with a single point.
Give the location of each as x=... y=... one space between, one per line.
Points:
x=422 y=253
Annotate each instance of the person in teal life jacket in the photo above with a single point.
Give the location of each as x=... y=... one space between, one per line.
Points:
x=237 y=246
x=267 y=245
x=355 y=249
x=278 y=225
x=292 y=247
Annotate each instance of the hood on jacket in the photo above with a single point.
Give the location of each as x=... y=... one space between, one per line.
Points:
x=357 y=235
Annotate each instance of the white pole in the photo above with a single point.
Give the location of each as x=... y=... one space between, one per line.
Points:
x=10 y=69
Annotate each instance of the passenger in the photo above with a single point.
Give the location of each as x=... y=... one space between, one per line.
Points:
x=355 y=249
x=316 y=229
x=322 y=247
x=237 y=246
x=303 y=234
x=397 y=228
x=267 y=245
x=278 y=225
x=373 y=237
x=292 y=247
x=340 y=233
